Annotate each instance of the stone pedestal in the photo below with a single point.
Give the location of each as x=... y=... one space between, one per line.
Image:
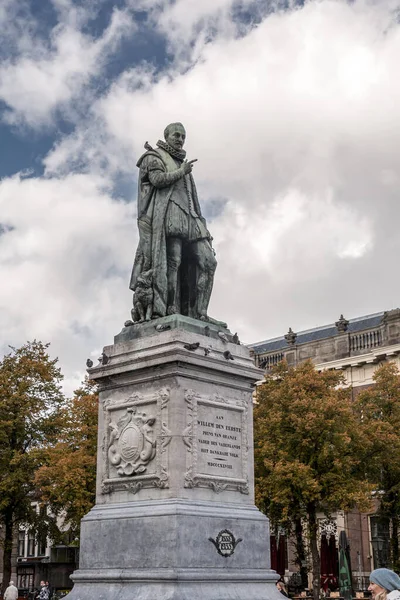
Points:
x=175 y=514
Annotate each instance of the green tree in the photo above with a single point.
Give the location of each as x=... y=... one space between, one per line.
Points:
x=308 y=451
x=379 y=408
x=66 y=481
x=30 y=396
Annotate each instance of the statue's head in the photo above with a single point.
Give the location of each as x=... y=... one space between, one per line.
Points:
x=175 y=135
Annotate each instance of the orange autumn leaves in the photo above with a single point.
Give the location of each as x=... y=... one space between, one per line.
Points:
x=308 y=443
x=67 y=478
x=320 y=447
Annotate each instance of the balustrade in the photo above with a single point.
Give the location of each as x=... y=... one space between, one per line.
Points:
x=365 y=340
x=267 y=362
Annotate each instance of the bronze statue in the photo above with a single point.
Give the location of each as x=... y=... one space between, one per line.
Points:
x=174 y=264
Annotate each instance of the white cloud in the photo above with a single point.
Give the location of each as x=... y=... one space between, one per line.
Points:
x=295 y=126
x=46 y=77
x=66 y=261
x=276 y=236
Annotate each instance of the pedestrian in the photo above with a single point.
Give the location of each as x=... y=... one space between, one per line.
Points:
x=44 y=591
x=384 y=584
x=49 y=587
x=11 y=592
x=280 y=586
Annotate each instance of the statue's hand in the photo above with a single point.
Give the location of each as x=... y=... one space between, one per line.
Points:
x=188 y=166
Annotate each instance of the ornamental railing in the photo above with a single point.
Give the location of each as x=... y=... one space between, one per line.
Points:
x=366 y=340
x=267 y=362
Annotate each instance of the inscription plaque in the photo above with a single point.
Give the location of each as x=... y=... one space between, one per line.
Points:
x=219 y=437
x=216 y=437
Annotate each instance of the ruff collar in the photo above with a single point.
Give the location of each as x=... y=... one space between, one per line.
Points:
x=178 y=154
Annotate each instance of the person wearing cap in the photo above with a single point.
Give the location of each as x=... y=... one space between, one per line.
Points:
x=11 y=592
x=384 y=584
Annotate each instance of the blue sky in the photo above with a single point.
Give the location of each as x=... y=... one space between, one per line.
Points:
x=293 y=111
x=20 y=148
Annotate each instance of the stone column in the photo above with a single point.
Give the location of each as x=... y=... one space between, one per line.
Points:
x=175 y=514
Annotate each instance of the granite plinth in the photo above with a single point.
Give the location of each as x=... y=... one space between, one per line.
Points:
x=149 y=328
x=175 y=514
x=163 y=550
x=172 y=534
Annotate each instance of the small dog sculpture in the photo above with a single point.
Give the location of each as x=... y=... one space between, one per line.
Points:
x=143 y=297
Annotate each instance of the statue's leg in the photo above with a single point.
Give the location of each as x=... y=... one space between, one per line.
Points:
x=206 y=265
x=174 y=258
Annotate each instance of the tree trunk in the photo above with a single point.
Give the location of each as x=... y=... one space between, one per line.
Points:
x=394 y=542
x=7 y=548
x=389 y=509
x=301 y=560
x=316 y=564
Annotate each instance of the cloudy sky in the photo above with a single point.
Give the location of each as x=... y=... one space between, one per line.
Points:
x=293 y=112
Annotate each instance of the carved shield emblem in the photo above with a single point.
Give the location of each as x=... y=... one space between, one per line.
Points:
x=225 y=543
x=132 y=443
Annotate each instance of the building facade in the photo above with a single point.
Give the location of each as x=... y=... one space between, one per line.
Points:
x=356 y=347
x=36 y=558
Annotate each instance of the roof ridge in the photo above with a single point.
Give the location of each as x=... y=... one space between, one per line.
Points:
x=314 y=329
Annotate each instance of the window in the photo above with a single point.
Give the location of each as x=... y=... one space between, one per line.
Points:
x=25 y=577
x=31 y=543
x=380 y=541
x=42 y=545
x=21 y=543
x=64 y=554
x=42 y=539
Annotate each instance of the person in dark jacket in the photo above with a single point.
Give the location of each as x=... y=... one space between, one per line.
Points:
x=44 y=591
